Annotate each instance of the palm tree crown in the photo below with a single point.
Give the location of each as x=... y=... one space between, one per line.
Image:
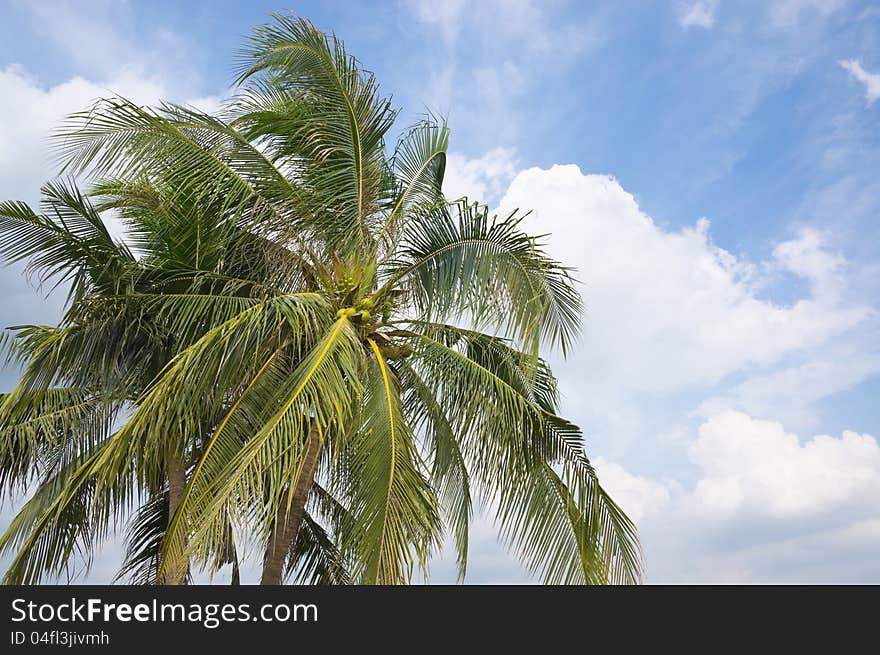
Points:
x=301 y=348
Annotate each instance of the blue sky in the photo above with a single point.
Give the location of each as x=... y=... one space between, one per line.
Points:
x=711 y=167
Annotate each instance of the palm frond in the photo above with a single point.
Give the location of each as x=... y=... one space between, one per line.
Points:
x=247 y=464
x=347 y=120
x=70 y=242
x=397 y=522
x=419 y=164
x=458 y=262
x=42 y=431
x=183 y=147
x=449 y=472
x=315 y=559
x=58 y=528
x=146 y=532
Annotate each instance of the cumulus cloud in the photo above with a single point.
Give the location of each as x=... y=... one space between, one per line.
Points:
x=670 y=312
x=756 y=467
x=760 y=491
x=763 y=505
x=698 y=13
x=667 y=309
x=870 y=80
x=639 y=496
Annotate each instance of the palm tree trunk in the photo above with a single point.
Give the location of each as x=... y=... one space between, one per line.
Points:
x=290 y=514
x=176 y=472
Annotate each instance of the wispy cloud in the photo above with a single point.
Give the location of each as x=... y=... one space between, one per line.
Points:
x=485 y=57
x=788 y=13
x=870 y=80
x=698 y=13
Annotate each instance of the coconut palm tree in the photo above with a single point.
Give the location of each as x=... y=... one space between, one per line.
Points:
x=313 y=354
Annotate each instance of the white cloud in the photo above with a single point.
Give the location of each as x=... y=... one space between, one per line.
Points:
x=870 y=80
x=698 y=13
x=30 y=111
x=763 y=506
x=670 y=313
x=761 y=495
x=788 y=394
x=755 y=467
x=668 y=309
x=483 y=179
x=639 y=497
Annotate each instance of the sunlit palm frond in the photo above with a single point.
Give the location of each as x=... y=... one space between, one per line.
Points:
x=187 y=148
x=397 y=520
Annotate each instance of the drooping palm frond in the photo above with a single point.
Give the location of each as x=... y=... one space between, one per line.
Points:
x=146 y=532
x=56 y=531
x=449 y=472
x=245 y=462
x=385 y=484
x=202 y=375
x=100 y=346
x=511 y=445
x=531 y=377
x=43 y=431
x=316 y=559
